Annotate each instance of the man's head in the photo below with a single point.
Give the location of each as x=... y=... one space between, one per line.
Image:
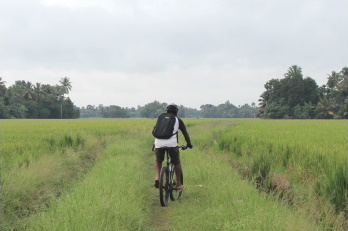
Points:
x=172 y=108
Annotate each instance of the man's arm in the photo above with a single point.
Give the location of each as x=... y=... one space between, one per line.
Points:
x=182 y=128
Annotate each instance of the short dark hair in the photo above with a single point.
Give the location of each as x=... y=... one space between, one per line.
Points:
x=172 y=108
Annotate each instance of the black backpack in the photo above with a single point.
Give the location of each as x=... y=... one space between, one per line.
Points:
x=165 y=126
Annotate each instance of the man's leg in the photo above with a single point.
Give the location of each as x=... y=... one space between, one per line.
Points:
x=175 y=156
x=178 y=171
x=159 y=152
x=158 y=166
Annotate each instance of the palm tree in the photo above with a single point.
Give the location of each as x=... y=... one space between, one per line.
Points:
x=2 y=83
x=65 y=88
x=59 y=91
x=325 y=108
x=344 y=72
x=294 y=71
x=65 y=82
x=343 y=85
x=28 y=93
x=38 y=92
x=2 y=87
x=333 y=80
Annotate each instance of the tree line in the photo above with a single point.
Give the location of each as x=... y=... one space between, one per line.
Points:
x=37 y=101
x=291 y=97
x=154 y=109
x=25 y=100
x=296 y=97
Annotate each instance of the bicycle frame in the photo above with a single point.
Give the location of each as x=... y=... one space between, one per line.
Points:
x=167 y=186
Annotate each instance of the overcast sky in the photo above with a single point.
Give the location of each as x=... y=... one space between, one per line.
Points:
x=190 y=52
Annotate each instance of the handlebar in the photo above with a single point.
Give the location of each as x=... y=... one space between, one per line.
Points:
x=183 y=147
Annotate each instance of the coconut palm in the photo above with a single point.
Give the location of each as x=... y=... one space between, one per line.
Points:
x=2 y=83
x=65 y=82
x=333 y=80
x=2 y=87
x=28 y=93
x=325 y=108
x=64 y=88
x=59 y=92
x=294 y=71
x=343 y=85
x=38 y=91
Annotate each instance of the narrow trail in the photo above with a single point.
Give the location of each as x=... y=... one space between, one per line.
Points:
x=159 y=214
x=217 y=198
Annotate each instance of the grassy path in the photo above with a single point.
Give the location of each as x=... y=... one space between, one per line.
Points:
x=215 y=198
x=159 y=215
x=114 y=195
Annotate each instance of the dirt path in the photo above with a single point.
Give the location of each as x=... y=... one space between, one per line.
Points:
x=160 y=217
x=159 y=220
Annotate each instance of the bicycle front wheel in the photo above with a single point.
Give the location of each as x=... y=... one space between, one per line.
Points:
x=164 y=186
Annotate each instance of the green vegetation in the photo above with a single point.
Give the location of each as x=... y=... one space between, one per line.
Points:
x=216 y=199
x=24 y=100
x=295 y=97
x=154 y=109
x=292 y=97
x=41 y=159
x=303 y=161
x=97 y=174
x=114 y=195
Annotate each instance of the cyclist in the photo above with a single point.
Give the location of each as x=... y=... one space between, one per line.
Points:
x=172 y=144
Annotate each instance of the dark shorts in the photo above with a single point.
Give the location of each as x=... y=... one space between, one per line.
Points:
x=173 y=153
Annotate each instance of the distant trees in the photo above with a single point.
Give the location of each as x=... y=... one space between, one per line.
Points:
x=291 y=97
x=26 y=100
x=228 y=110
x=113 y=111
x=152 y=110
x=333 y=97
x=187 y=112
x=295 y=97
x=3 y=109
x=155 y=108
x=89 y=112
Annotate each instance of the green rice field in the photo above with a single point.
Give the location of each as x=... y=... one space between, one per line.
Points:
x=242 y=174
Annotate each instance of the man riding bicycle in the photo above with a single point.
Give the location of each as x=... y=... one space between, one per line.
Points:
x=172 y=145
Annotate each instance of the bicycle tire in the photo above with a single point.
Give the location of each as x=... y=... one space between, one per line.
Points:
x=175 y=194
x=164 y=186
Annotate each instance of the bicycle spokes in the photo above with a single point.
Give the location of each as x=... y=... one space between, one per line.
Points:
x=164 y=186
x=168 y=184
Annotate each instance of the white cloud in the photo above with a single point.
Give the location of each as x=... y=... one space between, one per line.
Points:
x=132 y=52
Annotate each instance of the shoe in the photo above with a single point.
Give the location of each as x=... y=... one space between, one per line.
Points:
x=156 y=184
x=179 y=188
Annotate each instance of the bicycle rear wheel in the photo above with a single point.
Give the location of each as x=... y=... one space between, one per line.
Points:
x=164 y=186
x=175 y=194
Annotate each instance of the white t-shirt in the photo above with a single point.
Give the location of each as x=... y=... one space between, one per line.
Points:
x=172 y=141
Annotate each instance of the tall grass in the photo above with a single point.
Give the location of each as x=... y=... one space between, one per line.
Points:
x=98 y=175
x=215 y=198
x=41 y=159
x=312 y=153
x=113 y=196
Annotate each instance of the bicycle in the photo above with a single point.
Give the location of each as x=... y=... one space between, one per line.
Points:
x=167 y=181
